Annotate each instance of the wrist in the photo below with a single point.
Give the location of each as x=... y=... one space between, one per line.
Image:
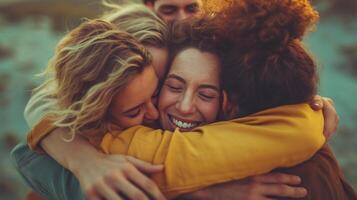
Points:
x=80 y=163
x=73 y=155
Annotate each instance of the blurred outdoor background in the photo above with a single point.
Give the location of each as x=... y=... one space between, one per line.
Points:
x=30 y=29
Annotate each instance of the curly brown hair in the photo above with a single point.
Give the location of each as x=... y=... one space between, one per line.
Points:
x=266 y=64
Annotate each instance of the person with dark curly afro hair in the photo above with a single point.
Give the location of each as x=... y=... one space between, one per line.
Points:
x=266 y=65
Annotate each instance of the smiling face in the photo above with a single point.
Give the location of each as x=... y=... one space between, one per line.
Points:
x=132 y=105
x=191 y=93
x=171 y=10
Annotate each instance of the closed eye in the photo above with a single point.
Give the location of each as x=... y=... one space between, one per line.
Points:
x=133 y=113
x=174 y=88
x=207 y=97
x=168 y=10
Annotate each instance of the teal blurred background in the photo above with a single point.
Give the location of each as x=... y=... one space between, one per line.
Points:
x=30 y=29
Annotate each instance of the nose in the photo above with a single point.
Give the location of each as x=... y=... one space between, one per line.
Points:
x=186 y=104
x=151 y=112
x=182 y=15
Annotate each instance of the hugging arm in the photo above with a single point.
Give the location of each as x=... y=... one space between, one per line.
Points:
x=99 y=175
x=69 y=156
x=259 y=187
x=224 y=151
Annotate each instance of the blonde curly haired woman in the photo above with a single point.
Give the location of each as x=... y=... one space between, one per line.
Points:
x=85 y=59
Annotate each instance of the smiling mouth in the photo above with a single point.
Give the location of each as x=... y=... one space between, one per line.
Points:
x=182 y=124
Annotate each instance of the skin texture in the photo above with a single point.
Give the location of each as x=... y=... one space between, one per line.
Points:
x=103 y=176
x=254 y=188
x=172 y=10
x=132 y=104
x=191 y=93
x=160 y=58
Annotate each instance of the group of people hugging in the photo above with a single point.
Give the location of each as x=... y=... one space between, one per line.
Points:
x=221 y=105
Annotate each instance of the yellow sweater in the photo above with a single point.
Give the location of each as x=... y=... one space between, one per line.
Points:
x=219 y=152
x=223 y=151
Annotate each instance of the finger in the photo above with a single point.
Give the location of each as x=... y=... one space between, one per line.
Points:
x=145 y=183
x=106 y=191
x=145 y=167
x=275 y=177
x=317 y=103
x=281 y=190
x=93 y=198
x=331 y=119
x=128 y=189
x=92 y=195
x=329 y=100
x=260 y=198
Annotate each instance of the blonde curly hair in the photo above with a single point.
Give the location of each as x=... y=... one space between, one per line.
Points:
x=140 y=22
x=84 y=92
x=91 y=64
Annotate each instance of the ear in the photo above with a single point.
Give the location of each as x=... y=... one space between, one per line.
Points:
x=229 y=108
x=225 y=102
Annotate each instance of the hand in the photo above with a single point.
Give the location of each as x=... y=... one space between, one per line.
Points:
x=331 y=118
x=259 y=187
x=116 y=177
x=100 y=175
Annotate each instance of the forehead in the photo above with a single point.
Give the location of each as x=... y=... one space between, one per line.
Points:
x=178 y=3
x=160 y=58
x=195 y=65
x=138 y=90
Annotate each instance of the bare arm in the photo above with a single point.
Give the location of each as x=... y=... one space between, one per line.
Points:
x=102 y=175
x=260 y=187
x=99 y=175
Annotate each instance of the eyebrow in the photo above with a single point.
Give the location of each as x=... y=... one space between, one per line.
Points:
x=174 y=76
x=210 y=87
x=167 y=6
x=192 y=4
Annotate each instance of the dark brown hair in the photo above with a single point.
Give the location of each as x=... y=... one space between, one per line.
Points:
x=149 y=1
x=194 y=32
x=266 y=64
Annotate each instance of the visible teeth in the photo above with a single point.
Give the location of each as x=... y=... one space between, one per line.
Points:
x=182 y=124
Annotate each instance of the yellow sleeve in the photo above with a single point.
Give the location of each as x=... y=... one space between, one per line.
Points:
x=223 y=151
x=38 y=132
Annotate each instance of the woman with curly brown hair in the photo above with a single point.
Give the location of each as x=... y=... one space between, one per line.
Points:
x=265 y=66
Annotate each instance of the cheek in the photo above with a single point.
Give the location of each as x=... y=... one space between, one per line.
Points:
x=189 y=14
x=167 y=99
x=160 y=68
x=125 y=122
x=209 y=110
x=167 y=18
